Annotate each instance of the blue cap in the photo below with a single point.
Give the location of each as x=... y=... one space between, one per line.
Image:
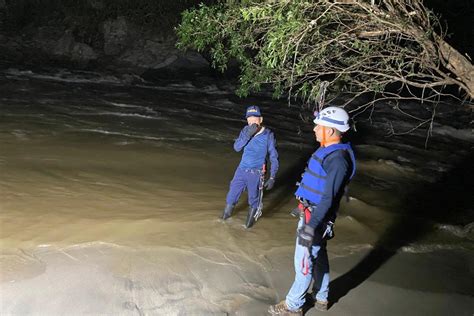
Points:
x=253 y=110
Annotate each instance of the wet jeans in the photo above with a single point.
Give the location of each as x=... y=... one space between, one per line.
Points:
x=308 y=266
x=244 y=179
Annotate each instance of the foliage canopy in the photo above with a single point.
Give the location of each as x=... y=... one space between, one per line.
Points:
x=356 y=46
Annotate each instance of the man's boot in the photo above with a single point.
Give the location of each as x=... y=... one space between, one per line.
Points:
x=251 y=217
x=227 y=211
x=283 y=310
x=321 y=305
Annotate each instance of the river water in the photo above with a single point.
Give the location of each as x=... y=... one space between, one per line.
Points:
x=111 y=193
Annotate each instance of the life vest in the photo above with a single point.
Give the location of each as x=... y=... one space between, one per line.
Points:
x=313 y=180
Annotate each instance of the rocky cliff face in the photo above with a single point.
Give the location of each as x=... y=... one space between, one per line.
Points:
x=118 y=44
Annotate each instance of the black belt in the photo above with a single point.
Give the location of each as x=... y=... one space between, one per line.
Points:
x=311 y=189
x=314 y=174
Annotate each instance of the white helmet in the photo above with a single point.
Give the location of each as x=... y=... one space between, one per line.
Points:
x=335 y=117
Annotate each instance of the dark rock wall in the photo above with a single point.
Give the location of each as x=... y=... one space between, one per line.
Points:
x=118 y=35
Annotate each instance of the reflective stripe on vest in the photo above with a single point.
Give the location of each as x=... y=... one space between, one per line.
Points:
x=313 y=180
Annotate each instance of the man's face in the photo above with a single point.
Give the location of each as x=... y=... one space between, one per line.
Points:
x=319 y=132
x=254 y=120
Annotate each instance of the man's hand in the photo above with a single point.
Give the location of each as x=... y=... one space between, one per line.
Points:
x=306 y=236
x=252 y=129
x=269 y=183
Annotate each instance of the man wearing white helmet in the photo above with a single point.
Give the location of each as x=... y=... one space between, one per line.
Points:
x=329 y=170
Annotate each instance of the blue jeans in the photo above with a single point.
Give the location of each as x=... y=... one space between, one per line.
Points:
x=308 y=266
x=244 y=179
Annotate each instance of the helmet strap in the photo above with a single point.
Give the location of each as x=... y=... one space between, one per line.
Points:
x=328 y=141
x=323 y=141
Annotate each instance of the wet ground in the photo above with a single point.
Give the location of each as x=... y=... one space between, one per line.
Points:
x=110 y=197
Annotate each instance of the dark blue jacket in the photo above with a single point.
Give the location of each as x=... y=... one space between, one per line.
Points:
x=328 y=172
x=256 y=149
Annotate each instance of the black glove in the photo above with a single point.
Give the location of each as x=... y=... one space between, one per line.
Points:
x=306 y=236
x=269 y=183
x=252 y=129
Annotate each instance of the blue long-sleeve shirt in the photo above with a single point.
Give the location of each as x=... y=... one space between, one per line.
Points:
x=256 y=149
x=338 y=166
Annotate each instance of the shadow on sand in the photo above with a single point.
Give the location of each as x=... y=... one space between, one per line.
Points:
x=448 y=200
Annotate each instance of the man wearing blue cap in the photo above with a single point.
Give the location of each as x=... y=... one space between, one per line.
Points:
x=256 y=141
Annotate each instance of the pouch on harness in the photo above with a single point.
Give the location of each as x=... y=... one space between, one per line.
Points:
x=326 y=229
